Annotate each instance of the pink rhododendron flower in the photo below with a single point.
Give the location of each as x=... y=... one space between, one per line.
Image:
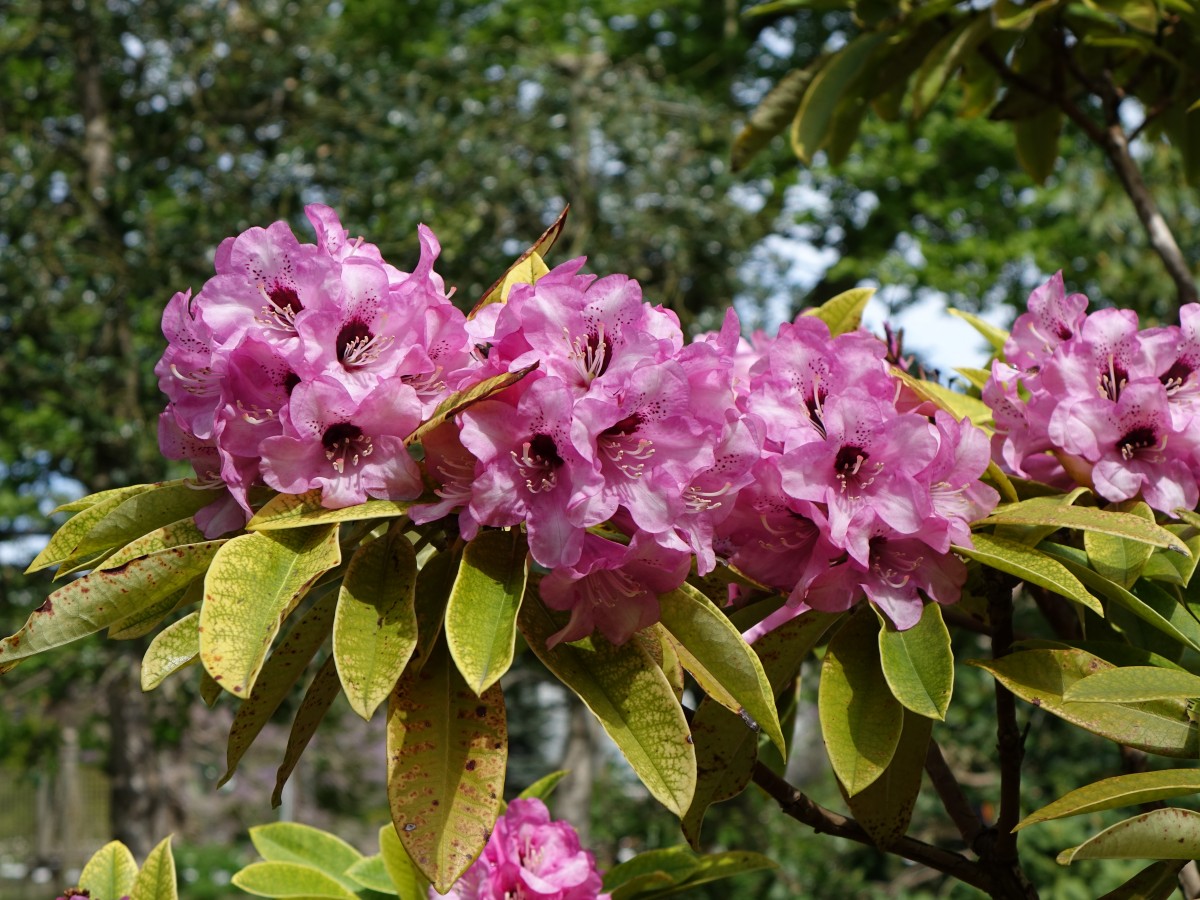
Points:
x=529 y=857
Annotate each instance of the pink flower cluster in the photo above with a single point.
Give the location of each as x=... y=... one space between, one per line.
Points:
x=529 y=857
x=1091 y=399
x=627 y=454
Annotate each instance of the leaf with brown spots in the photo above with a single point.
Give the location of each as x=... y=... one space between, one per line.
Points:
x=317 y=699
x=498 y=292
x=285 y=511
x=1160 y=834
x=96 y=601
x=885 y=807
x=64 y=541
x=447 y=750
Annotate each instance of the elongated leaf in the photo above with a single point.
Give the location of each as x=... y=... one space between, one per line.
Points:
x=174 y=534
x=156 y=880
x=1031 y=566
x=1041 y=677
x=292 y=842
x=371 y=873
x=945 y=59
x=146 y=619
x=481 y=614
x=1121 y=790
x=1002 y=482
x=175 y=647
x=110 y=873
x=772 y=115
x=144 y=512
x=1161 y=834
x=860 y=719
x=434 y=581
x=958 y=405
x=918 y=663
x=843 y=313
x=96 y=601
x=1159 y=881
x=630 y=696
x=303 y=510
x=254 y=581
x=457 y=402
x=1049 y=511
x=1116 y=558
x=811 y=125
x=677 y=863
x=884 y=808
x=90 y=500
x=715 y=866
x=447 y=750
x=544 y=786
x=721 y=662
x=289 y=879
x=279 y=675
x=210 y=691
x=63 y=542
x=375 y=629
x=409 y=883
x=317 y=699
x=1133 y=683
x=497 y=293
x=996 y=337
x=1171 y=567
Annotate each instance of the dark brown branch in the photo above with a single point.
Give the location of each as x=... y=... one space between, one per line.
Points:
x=1008 y=734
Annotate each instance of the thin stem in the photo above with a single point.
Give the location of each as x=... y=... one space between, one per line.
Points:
x=1008 y=733
x=952 y=796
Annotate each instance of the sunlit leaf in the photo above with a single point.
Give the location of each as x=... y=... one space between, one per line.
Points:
x=996 y=337
x=1122 y=790
x=290 y=880
x=885 y=807
x=843 y=313
x=1134 y=683
x=460 y=400
x=175 y=647
x=918 y=663
x=407 y=879
x=498 y=292
x=961 y=406
x=1160 y=834
x=1031 y=566
x=303 y=510
x=293 y=842
x=63 y=542
x=110 y=873
x=156 y=880
x=1053 y=512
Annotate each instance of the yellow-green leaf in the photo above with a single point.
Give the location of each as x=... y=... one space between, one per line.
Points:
x=144 y=512
x=1134 y=683
x=884 y=808
x=996 y=337
x=627 y=880
x=1051 y=511
x=1161 y=834
x=1037 y=142
x=292 y=842
x=630 y=696
x=96 y=601
x=90 y=500
x=918 y=663
x=371 y=873
x=457 y=402
x=1171 y=567
x=289 y=879
x=63 y=542
x=280 y=673
x=1031 y=566
x=1041 y=677
x=174 y=648
x=146 y=619
x=254 y=581
x=302 y=510
x=945 y=59
x=544 y=786
x=481 y=614
x=1158 y=881
x=770 y=117
x=447 y=750
x=110 y=873
x=171 y=535
x=722 y=663
x=317 y=699
x=498 y=292
x=375 y=629
x=843 y=313
x=407 y=879
x=860 y=719
x=811 y=125
x=434 y=581
x=1120 y=559
x=1121 y=790
x=958 y=405
x=156 y=880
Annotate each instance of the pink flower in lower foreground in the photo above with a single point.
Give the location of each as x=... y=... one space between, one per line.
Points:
x=530 y=857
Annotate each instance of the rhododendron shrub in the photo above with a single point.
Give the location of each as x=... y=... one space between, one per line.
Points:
x=672 y=524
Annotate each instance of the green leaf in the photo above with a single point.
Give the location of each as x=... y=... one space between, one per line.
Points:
x=1158 y=881
x=481 y=614
x=144 y=512
x=156 y=880
x=434 y=581
x=96 y=601
x=280 y=673
x=945 y=59
x=1031 y=566
x=543 y=787
x=996 y=337
x=811 y=125
x=720 y=660
x=174 y=648
x=1175 y=568
x=677 y=863
x=1161 y=834
x=210 y=691
x=171 y=535
x=715 y=866
x=770 y=117
x=630 y=696
x=460 y=400
x=860 y=719
x=498 y=292
x=321 y=693
x=254 y=581
x=302 y=510
x=63 y=542
x=1122 y=790
x=90 y=500
x=1019 y=16
x=409 y=883
x=1041 y=677
x=1051 y=511
x=1002 y=482
x=446 y=751
x=918 y=663
x=371 y=873
x=958 y=405
x=289 y=879
x=885 y=807
x=1037 y=143
x=1133 y=683
x=110 y=873
x=1117 y=558
x=375 y=628
x=843 y=313
x=146 y=619
x=293 y=843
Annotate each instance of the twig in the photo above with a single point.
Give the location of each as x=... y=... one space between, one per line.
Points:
x=951 y=794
